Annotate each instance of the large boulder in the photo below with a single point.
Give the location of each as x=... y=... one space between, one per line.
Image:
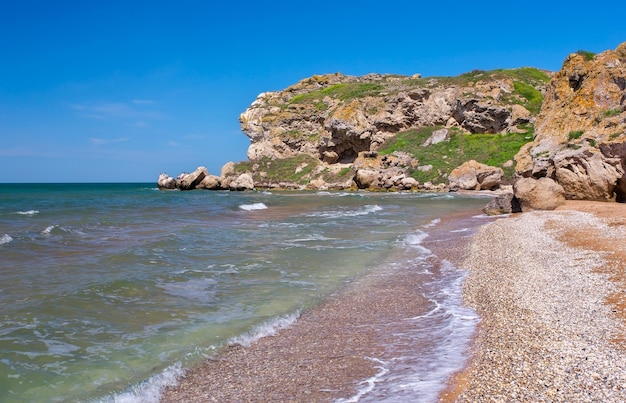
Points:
x=166 y=182
x=367 y=178
x=539 y=194
x=472 y=175
x=210 y=182
x=243 y=182
x=505 y=203
x=189 y=181
x=586 y=174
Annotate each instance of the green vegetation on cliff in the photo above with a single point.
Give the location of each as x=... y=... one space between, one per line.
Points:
x=490 y=149
x=341 y=91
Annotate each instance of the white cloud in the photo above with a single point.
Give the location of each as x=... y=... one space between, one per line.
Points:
x=173 y=144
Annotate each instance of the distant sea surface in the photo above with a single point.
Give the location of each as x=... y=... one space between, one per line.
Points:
x=109 y=291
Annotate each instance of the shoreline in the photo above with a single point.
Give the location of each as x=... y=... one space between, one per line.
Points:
x=555 y=332
x=550 y=288
x=333 y=352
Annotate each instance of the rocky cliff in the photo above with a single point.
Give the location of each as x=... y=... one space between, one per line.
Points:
x=580 y=136
x=336 y=120
x=566 y=130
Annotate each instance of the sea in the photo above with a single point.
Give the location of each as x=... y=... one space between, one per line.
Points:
x=109 y=292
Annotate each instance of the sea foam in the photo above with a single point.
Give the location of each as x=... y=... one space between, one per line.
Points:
x=48 y=230
x=415 y=238
x=29 y=212
x=269 y=328
x=253 y=206
x=365 y=210
x=4 y=239
x=150 y=390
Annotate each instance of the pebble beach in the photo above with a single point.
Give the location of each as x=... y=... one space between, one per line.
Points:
x=550 y=290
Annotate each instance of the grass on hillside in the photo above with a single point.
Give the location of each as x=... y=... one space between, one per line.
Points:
x=586 y=54
x=525 y=81
x=341 y=91
x=490 y=149
x=280 y=170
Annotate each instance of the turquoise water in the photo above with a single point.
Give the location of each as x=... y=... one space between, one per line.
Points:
x=108 y=291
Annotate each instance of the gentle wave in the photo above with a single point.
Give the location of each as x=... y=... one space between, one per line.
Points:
x=368 y=384
x=460 y=230
x=415 y=238
x=4 y=239
x=29 y=212
x=269 y=328
x=48 y=230
x=253 y=206
x=149 y=391
x=432 y=223
x=365 y=210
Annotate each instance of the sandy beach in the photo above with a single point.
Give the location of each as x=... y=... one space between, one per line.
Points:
x=549 y=287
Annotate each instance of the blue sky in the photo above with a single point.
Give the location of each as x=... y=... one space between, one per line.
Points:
x=120 y=91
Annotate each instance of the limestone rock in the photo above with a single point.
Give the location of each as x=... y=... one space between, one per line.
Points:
x=505 y=203
x=539 y=194
x=190 y=181
x=319 y=115
x=585 y=95
x=473 y=175
x=374 y=171
x=586 y=174
x=228 y=169
x=367 y=178
x=243 y=182
x=210 y=182
x=580 y=133
x=166 y=182
x=437 y=137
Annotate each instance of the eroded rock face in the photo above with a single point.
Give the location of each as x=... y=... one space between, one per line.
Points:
x=580 y=134
x=335 y=117
x=473 y=175
x=586 y=174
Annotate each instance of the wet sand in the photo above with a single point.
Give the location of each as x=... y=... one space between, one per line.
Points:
x=328 y=354
x=551 y=289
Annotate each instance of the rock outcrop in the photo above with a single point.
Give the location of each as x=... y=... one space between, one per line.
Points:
x=384 y=172
x=326 y=131
x=201 y=179
x=580 y=136
x=335 y=117
x=189 y=181
x=166 y=182
x=473 y=175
